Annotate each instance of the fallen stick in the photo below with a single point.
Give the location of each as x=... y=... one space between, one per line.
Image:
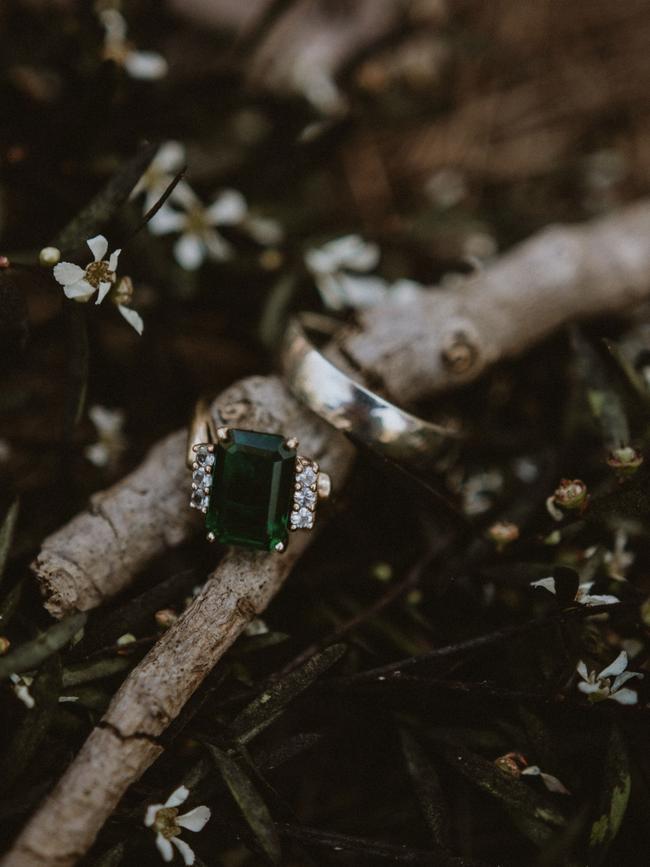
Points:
x=442 y=339
x=123 y=745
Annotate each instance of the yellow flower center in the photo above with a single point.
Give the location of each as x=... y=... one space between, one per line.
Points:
x=165 y=822
x=98 y=272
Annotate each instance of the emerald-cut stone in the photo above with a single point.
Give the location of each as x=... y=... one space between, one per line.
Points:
x=252 y=491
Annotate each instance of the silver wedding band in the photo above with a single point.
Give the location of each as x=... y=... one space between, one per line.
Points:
x=350 y=407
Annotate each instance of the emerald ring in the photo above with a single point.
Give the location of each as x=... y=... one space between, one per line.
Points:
x=253 y=487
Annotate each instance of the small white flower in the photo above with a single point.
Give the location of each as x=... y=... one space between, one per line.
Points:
x=331 y=265
x=600 y=687
x=21 y=684
x=582 y=597
x=82 y=283
x=552 y=783
x=111 y=444
x=256 y=627
x=198 y=224
x=169 y=160
x=168 y=825
x=145 y=65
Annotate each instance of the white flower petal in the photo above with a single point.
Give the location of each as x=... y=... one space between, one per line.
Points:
x=189 y=251
x=170 y=157
x=166 y=220
x=216 y=245
x=264 y=230
x=66 y=273
x=79 y=291
x=531 y=771
x=553 y=784
x=330 y=291
x=616 y=667
x=195 y=820
x=112 y=262
x=145 y=65
x=588 y=600
x=545 y=583
x=164 y=847
x=581 y=668
x=150 y=814
x=177 y=797
x=97 y=454
x=98 y=246
x=114 y=24
x=104 y=287
x=107 y=421
x=185 y=850
x=625 y=696
x=360 y=292
x=624 y=677
x=228 y=209
x=132 y=317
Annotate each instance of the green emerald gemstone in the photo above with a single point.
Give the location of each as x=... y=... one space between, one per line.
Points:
x=252 y=491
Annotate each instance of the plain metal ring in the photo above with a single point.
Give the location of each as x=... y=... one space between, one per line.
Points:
x=350 y=407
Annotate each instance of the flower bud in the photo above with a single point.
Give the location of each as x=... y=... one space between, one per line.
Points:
x=5 y=644
x=49 y=256
x=502 y=533
x=4 y=262
x=166 y=617
x=511 y=764
x=570 y=494
x=625 y=460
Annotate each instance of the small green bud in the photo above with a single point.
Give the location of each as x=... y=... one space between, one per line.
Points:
x=625 y=460
x=49 y=257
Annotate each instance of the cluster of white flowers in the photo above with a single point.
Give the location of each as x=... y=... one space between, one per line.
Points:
x=341 y=269
x=145 y=65
x=583 y=596
x=167 y=825
x=99 y=277
x=196 y=224
x=600 y=686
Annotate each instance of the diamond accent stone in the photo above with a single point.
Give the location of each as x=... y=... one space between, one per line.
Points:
x=306 y=476
x=303 y=519
x=305 y=497
x=199 y=500
x=202 y=478
x=204 y=457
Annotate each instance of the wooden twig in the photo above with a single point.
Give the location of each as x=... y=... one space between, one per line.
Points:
x=442 y=339
x=126 y=742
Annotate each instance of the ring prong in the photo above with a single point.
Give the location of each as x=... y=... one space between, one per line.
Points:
x=280 y=547
x=222 y=434
x=211 y=537
x=292 y=443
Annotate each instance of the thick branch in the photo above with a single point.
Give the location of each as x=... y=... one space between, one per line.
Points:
x=99 y=552
x=442 y=339
x=125 y=742
x=559 y=275
x=448 y=337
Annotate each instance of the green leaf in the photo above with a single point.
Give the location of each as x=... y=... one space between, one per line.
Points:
x=36 y=723
x=614 y=798
x=86 y=672
x=266 y=707
x=427 y=788
x=533 y=812
x=7 y=534
x=31 y=654
x=103 y=207
x=249 y=802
